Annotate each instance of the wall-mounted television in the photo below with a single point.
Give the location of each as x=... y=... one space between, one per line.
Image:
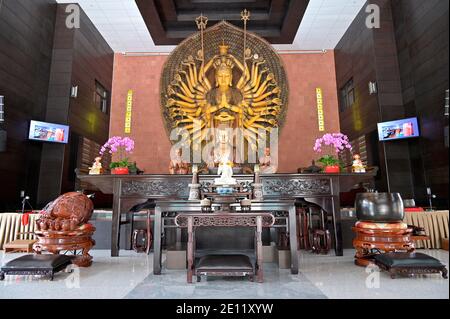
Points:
x=400 y=129
x=48 y=132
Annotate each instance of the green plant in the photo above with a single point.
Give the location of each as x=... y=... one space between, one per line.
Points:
x=122 y=163
x=329 y=160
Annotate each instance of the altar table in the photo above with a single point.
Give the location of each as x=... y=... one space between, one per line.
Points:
x=320 y=189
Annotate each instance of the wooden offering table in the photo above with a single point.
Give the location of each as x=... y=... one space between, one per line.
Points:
x=320 y=189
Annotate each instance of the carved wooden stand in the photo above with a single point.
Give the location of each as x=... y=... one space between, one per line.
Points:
x=371 y=240
x=57 y=241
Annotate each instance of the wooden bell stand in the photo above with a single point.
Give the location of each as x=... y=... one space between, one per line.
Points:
x=375 y=238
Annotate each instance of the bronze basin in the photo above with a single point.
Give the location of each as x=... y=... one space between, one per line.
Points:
x=379 y=207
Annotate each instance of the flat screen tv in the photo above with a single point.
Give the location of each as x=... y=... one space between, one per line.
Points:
x=48 y=132
x=401 y=129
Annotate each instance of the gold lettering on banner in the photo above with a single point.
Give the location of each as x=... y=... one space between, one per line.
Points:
x=128 y=112
x=320 y=112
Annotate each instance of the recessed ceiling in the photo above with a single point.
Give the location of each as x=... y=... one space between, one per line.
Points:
x=172 y=21
x=123 y=27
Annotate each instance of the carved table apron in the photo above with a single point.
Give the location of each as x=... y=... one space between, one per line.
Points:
x=183 y=206
x=320 y=189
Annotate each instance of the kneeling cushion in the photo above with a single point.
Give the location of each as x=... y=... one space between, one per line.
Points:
x=225 y=262
x=393 y=260
x=36 y=264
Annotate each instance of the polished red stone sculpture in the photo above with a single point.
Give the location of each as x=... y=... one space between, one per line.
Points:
x=63 y=226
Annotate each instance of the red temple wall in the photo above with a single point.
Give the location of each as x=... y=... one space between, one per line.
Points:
x=305 y=72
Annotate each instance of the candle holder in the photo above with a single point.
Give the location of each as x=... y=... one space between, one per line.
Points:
x=194 y=187
x=257 y=185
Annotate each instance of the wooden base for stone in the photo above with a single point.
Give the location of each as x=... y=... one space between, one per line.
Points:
x=57 y=241
x=370 y=241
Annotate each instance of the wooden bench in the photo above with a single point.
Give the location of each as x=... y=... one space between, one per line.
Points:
x=19 y=246
x=224 y=265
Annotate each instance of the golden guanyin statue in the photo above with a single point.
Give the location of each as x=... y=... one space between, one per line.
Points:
x=225 y=91
x=250 y=103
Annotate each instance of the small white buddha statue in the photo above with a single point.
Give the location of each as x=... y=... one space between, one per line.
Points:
x=225 y=171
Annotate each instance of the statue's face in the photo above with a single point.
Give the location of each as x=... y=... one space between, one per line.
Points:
x=223 y=78
x=267 y=152
x=223 y=137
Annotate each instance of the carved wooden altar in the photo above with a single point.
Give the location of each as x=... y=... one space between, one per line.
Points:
x=320 y=189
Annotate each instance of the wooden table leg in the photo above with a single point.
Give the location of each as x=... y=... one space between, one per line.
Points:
x=336 y=210
x=293 y=239
x=259 y=257
x=115 y=227
x=190 y=250
x=149 y=231
x=157 y=242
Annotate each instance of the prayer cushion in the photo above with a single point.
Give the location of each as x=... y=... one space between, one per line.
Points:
x=38 y=262
x=405 y=260
x=43 y=265
x=225 y=262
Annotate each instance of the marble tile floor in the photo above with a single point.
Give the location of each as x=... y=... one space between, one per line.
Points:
x=130 y=276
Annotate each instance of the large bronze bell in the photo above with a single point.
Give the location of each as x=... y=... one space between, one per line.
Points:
x=379 y=207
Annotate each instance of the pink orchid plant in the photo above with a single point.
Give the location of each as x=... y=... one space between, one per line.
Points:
x=119 y=146
x=336 y=144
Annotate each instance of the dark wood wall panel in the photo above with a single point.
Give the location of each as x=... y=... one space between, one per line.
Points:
x=93 y=61
x=408 y=58
x=26 y=37
x=422 y=33
x=80 y=57
x=370 y=55
x=52 y=162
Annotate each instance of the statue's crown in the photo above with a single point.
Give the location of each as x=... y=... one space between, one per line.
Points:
x=223 y=49
x=223 y=61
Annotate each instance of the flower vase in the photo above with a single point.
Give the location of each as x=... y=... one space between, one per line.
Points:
x=332 y=169
x=120 y=171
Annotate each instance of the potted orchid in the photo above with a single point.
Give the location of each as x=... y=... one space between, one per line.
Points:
x=119 y=147
x=336 y=143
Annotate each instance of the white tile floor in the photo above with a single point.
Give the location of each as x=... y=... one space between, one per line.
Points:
x=130 y=276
